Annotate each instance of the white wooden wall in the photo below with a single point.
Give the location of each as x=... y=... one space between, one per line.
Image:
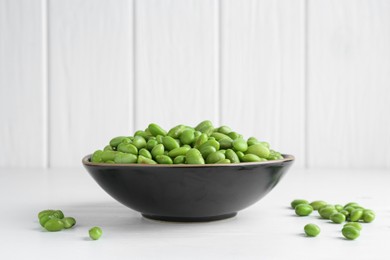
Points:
x=310 y=76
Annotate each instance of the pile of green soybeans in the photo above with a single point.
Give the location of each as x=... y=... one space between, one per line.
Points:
x=352 y=213
x=54 y=220
x=202 y=144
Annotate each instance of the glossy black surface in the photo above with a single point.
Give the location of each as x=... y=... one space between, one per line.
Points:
x=188 y=192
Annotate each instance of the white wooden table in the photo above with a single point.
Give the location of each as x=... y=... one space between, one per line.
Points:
x=267 y=230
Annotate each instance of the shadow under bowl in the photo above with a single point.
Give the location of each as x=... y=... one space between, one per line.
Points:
x=188 y=193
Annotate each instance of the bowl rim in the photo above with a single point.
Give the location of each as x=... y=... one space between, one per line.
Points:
x=286 y=158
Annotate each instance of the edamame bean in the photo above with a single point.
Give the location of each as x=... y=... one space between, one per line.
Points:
x=296 y=202
x=312 y=230
x=125 y=158
x=252 y=141
x=97 y=156
x=356 y=225
x=355 y=215
x=108 y=155
x=127 y=148
x=215 y=157
x=368 y=216
x=43 y=219
x=143 y=134
x=158 y=150
x=240 y=155
x=327 y=211
x=337 y=217
x=204 y=125
x=159 y=139
x=240 y=145
x=303 y=210
x=258 y=149
x=349 y=209
x=213 y=143
x=58 y=214
x=318 y=204
x=164 y=159
x=188 y=136
x=226 y=143
x=223 y=161
x=110 y=162
x=177 y=131
x=156 y=130
x=200 y=140
x=232 y=156
x=178 y=151
x=219 y=136
x=169 y=143
x=338 y=207
x=54 y=225
x=95 y=233
x=139 y=142
x=206 y=150
x=44 y=212
x=116 y=141
x=224 y=129
x=108 y=148
x=350 y=232
x=193 y=156
x=234 y=135
x=143 y=160
x=144 y=152
x=150 y=144
x=69 y=222
x=179 y=159
x=344 y=212
x=252 y=158
x=351 y=204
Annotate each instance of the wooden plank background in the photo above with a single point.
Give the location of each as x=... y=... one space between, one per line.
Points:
x=310 y=77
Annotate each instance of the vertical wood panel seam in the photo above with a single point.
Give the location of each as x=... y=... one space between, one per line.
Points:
x=306 y=81
x=134 y=64
x=218 y=61
x=45 y=82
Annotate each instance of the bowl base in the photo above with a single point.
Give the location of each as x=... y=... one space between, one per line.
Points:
x=190 y=219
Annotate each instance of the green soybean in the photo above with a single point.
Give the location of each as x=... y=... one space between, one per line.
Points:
x=212 y=143
x=317 y=204
x=139 y=142
x=296 y=202
x=240 y=145
x=108 y=148
x=176 y=131
x=158 y=150
x=178 y=151
x=232 y=156
x=169 y=143
x=128 y=148
x=356 y=225
x=226 y=143
x=143 y=160
x=223 y=161
x=355 y=215
x=200 y=140
x=193 y=156
x=150 y=144
x=188 y=136
x=219 y=136
x=344 y=212
x=206 y=150
x=179 y=159
x=97 y=156
x=234 y=135
x=144 y=152
x=252 y=158
x=337 y=217
x=338 y=207
x=164 y=159
x=368 y=216
x=258 y=149
x=224 y=129
x=69 y=222
x=312 y=230
x=303 y=210
x=351 y=204
x=116 y=141
x=204 y=125
x=125 y=158
x=252 y=141
x=95 y=233
x=54 y=225
x=156 y=130
x=45 y=212
x=327 y=211
x=240 y=155
x=349 y=232
x=215 y=157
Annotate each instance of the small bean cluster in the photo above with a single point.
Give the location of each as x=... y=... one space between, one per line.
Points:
x=203 y=144
x=54 y=220
x=352 y=213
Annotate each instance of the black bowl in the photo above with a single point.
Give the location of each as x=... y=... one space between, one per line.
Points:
x=184 y=192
